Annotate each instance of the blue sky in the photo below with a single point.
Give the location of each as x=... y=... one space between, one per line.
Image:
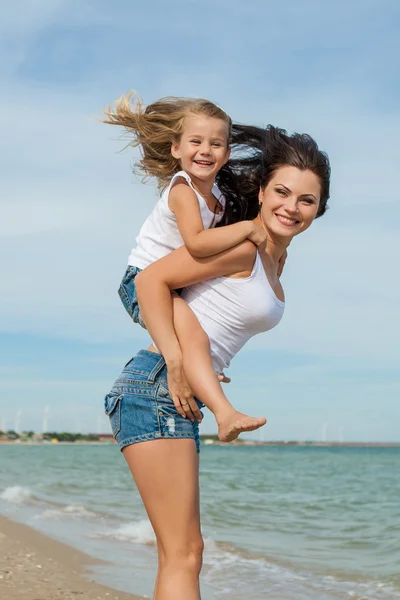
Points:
x=71 y=207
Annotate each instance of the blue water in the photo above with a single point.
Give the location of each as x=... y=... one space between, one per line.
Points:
x=283 y=523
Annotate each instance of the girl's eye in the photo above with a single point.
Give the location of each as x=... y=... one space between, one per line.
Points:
x=195 y=141
x=217 y=145
x=281 y=192
x=308 y=201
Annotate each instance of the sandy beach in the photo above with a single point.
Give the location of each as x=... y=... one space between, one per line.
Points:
x=35 y=567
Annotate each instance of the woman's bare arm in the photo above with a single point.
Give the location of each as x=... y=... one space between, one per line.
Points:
x=180 y=269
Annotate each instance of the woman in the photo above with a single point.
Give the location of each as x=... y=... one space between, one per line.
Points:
x=234 y=296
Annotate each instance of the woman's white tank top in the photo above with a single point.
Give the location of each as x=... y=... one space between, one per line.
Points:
x=159 y=235
x=232 y=310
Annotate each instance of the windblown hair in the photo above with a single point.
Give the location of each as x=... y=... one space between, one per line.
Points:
x=155 y=127
x=257 y=154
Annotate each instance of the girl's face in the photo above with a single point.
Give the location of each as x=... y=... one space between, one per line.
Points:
x=289 y=202
x=203 y=147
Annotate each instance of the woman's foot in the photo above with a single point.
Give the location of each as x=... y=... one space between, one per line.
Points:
x=231 y=426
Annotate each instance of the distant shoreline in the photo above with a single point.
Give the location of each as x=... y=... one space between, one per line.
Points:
x=211 y=442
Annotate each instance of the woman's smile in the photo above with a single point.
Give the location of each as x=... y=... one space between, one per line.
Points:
x=287 y=221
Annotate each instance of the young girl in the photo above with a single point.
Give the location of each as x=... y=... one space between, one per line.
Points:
x=184 y=143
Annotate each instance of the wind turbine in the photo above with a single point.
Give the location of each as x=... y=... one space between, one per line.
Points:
x=17 y=421
x=45 y=419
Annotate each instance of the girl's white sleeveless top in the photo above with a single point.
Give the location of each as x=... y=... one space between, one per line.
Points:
x=232 y=310
x=159 y=235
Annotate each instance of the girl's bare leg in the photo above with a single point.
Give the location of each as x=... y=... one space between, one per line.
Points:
x=201 y=376
x=166 y=472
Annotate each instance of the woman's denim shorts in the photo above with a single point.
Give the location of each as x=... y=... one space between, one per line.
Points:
x=140 y=407
x=127 y=293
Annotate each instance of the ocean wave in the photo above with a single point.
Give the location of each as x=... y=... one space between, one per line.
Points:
x=228 y=569
x=139 y=532
x=74 y=511
x=16 y=494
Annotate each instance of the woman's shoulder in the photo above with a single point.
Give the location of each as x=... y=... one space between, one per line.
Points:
x=242 y=258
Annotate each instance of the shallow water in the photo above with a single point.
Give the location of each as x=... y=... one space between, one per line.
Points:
x=283 y=523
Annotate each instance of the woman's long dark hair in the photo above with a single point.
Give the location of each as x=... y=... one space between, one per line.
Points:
x=256 y=155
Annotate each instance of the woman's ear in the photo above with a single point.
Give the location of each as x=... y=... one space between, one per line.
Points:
x=260 y=196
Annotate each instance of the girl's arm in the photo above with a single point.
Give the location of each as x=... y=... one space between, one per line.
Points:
x=202 y=242
x=176 y=270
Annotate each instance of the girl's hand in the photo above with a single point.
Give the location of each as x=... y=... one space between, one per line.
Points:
x=257 y=235
x=181 y=392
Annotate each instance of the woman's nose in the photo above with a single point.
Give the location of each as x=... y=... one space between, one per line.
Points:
x=291 y=205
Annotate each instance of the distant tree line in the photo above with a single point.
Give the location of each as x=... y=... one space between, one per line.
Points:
x=49 y=436
x=70 y=437
x=10 y=434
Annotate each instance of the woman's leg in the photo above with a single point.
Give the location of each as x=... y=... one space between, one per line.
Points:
x=166 y=472
x=201 y=376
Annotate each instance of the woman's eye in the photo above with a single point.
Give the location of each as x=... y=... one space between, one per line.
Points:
x=281 y=192
x=308 y=200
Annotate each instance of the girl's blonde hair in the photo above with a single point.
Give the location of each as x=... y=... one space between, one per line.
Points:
x=157 y=126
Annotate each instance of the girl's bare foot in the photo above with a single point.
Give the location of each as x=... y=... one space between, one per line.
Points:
x=231 y=426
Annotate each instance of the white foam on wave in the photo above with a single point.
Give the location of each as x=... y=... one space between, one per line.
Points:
x=74 y=511
x=139 y=532
x=217 y=558
x=229 y=571
x=16 y=494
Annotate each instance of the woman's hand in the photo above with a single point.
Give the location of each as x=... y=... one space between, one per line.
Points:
x=181 y=392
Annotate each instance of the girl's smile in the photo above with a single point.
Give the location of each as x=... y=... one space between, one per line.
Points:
x=203 y=147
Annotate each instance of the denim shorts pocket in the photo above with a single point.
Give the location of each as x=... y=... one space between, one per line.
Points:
x=112 y=407
x=165 y=405
x=164 y=397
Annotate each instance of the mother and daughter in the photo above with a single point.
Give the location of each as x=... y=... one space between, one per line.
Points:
x=203 y=279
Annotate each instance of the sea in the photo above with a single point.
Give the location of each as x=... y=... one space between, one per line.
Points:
x=279 y=522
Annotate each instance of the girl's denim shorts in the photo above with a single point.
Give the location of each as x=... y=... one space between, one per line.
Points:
x=127 y=293
x=140 y=407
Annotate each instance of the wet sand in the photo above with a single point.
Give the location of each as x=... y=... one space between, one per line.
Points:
x=36 y=567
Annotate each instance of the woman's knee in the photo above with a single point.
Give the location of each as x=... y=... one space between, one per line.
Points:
x=183 y=555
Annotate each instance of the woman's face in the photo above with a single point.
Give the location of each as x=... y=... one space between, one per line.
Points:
x=289 y=202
